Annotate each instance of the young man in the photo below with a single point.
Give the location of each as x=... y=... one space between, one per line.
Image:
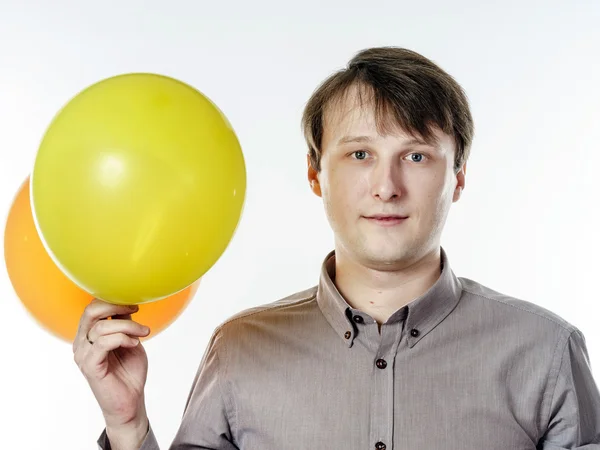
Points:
x=390 y=350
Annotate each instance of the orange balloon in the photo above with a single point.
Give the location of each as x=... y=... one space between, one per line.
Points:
x=54 y=301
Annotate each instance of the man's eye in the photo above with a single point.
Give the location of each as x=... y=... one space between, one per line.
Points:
x=360 y=154
x=416 y=157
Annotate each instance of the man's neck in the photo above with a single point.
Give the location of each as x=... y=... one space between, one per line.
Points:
x=381 y=293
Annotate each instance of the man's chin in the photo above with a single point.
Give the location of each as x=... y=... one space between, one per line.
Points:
x=390 y=255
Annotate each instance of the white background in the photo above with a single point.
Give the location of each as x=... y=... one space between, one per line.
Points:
x=527 y=224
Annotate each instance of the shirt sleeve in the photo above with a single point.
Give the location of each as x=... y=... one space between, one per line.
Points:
x=149 y=442
x=574 y=417
x=206 y=422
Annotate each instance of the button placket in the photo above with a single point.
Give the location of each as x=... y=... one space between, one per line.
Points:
x=382 y=403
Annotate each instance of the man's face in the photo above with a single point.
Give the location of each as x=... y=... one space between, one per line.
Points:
x=364 y=174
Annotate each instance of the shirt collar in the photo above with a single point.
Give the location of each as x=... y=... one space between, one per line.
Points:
x=422 y=315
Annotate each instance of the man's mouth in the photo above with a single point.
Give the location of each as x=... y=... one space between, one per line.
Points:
x=386 y=219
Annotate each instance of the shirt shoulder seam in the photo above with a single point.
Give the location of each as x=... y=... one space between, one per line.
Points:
x=568 y=329
x=266 y=308
x=230 y=404
x=558 y=371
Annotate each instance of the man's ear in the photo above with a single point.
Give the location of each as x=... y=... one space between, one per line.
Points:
x=313 y=177
x=460 y=182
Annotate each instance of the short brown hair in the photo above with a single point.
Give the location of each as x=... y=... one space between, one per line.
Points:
x=416 y=91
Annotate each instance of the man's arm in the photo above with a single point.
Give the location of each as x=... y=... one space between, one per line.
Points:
x=206 y=419
x=574 y=416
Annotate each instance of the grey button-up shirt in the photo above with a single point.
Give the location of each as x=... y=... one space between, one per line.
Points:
x=462 y=367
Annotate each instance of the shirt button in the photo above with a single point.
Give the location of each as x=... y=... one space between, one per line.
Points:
x=347 y=335
x=381 y=363
x=380 y=446
x=414 y=332
x=358 y=319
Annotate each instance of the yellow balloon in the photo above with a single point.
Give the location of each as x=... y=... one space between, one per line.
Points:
x=138 y=187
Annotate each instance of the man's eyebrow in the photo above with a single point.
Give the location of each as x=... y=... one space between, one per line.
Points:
x=368 y=139
x=349 y=139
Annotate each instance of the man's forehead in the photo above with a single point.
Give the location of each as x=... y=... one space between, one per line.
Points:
x=356 y=122
x=344 y=117
x=349 y=106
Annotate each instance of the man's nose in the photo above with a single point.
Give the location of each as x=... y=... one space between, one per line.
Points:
x=385 y=182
